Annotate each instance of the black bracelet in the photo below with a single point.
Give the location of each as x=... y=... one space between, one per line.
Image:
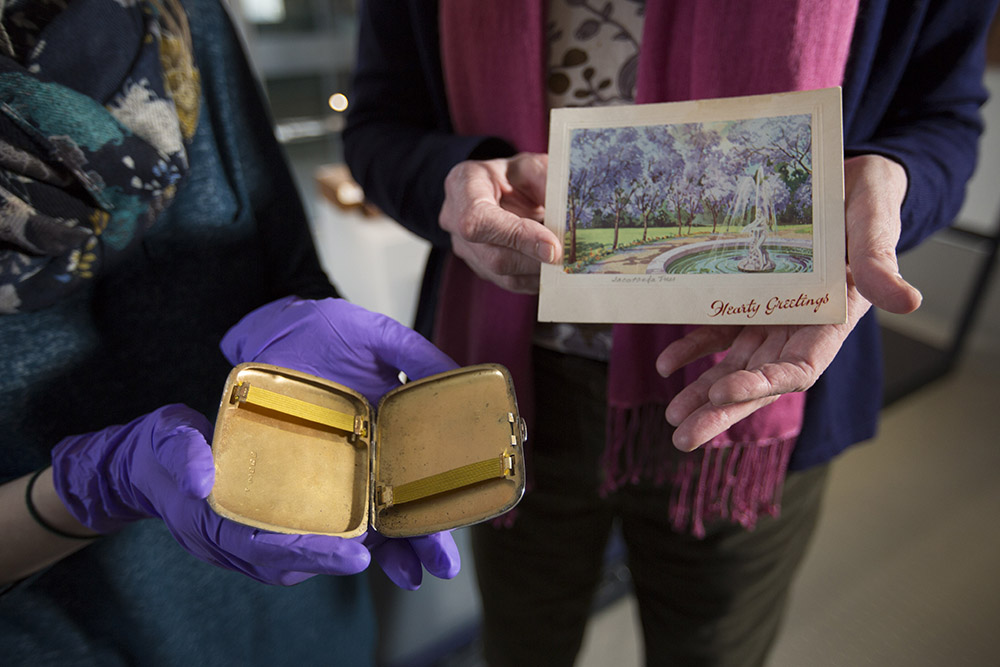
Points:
x=33 y=511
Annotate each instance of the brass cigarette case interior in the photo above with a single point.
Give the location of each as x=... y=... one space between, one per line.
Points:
x=295 y=453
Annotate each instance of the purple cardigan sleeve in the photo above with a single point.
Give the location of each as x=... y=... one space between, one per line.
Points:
x=399 y=142
x=913 y=92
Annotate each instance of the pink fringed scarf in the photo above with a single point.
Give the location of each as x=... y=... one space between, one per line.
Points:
x=493 y=53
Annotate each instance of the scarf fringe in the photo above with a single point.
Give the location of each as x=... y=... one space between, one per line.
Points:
x=739 y=482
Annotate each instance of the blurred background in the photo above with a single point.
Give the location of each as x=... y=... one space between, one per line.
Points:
x=903 y=569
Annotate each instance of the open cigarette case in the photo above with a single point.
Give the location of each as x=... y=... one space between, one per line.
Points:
x=295 y=453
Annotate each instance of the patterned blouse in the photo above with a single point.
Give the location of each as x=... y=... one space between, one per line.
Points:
x=593 y=60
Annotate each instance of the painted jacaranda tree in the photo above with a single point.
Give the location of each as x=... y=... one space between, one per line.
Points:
x=659 y=162
x=783 y=146
x=590 y=168
x=638 y=175
x=626 y=170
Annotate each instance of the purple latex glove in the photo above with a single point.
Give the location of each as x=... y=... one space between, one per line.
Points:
x=401 y=559
x=160 y=465
x=345 y=343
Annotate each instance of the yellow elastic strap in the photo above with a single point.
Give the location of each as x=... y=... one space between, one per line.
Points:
x=264 y=398
x=458 y=478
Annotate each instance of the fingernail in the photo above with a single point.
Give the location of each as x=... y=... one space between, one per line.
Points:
x=911 y=287
x=545 y=253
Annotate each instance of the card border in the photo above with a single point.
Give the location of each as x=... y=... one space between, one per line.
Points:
x=689 y=299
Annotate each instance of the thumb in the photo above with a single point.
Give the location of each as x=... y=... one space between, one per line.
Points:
x=875 y=188
x=876 y=275
x=526 y=173
x=180 y=446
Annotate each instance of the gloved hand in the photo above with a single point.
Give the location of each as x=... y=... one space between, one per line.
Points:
x=365 y=351
x=160 y=465
x=401 y=559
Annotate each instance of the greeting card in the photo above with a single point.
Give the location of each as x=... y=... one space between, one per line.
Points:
x=724 y=211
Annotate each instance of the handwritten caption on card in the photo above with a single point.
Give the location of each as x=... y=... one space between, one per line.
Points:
x=751 y=308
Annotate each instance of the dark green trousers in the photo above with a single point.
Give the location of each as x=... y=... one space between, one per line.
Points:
x=711 y=601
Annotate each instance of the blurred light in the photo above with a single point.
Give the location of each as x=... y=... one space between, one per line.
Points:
x=305 y=129
x=338 y=102
x=263 y=11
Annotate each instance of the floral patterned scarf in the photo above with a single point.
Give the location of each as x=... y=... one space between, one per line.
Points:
x=88 y=157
